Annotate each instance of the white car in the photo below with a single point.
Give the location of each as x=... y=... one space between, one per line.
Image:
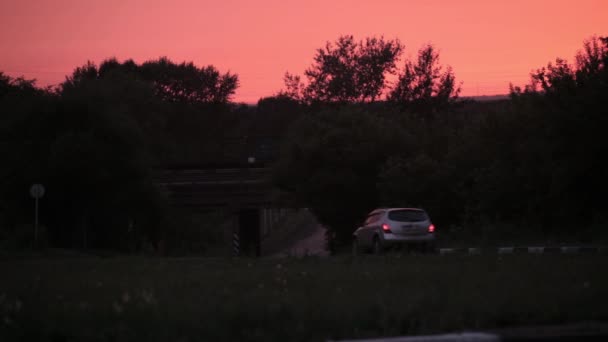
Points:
x=387 y=227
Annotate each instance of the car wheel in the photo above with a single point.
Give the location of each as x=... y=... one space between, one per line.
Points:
x=376 y=246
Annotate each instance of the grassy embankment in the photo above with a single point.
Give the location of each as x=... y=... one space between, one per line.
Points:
x=151 y=299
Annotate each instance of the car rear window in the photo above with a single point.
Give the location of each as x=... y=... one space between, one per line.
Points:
x=407 y=215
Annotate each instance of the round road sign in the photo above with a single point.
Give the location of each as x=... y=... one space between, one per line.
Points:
x=37 y=190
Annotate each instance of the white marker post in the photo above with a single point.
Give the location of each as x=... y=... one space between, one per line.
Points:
x=37 y=191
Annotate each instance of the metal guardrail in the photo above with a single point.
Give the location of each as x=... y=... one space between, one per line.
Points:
x=462 y=337
x=586 y=331
x=527 y=249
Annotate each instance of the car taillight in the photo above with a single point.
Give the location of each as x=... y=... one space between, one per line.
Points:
x=431 y=228
x=386 y=228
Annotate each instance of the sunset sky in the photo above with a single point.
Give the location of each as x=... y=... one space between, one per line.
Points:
x=488 y=43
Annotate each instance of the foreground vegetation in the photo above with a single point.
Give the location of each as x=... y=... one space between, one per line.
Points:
x=140 y=299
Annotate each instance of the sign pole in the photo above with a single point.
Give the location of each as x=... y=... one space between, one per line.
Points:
x=36 y=191
x=36 y=223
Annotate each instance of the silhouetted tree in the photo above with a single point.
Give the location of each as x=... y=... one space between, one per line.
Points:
x=17 y=86
x=100 y=162
x=24 y=137
x=569 y=104
x=347 y=71
x=330 y=163
x=188 y=83
x=173 y=82
x=423 y=84
x=187 y=111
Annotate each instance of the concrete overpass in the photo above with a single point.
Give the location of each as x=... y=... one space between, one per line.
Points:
x=218 y=187
x=244 y=192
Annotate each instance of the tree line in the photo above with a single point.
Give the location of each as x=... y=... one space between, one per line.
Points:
x=95 y=141
x=532 y=164
x=361 y=128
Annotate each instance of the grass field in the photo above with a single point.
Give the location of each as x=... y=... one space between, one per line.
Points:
x=310 y=299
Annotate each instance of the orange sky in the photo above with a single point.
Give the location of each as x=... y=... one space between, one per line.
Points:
x=489 y=43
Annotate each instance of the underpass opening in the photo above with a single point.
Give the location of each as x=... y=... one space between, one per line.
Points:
x=249 y=232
